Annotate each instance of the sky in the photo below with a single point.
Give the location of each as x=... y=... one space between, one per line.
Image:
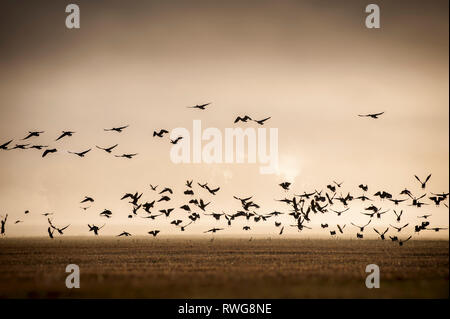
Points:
x=312 y=66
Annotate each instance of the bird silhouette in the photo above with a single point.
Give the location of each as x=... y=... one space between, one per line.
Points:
x=176 y=222
x=50 y=232
x=436 y=229
x=154 y=232
x=38 y=147
x=87 y=199
x=373 y=115
x=401 y=242
x=80 y=154
x=95 y=229
x=213 y=230
x=183 y=228
x=398 y=215
x=160 y=133
x=64 y=134
x=19 y=147
x=261 y=122
x=397 y=201
x=49 y=151
x=437 y=200
x=365 y=188
x=361 y=228
x=60 y=230
x=166 y=189
x=32 y=134
x=339 y=212
x=107 y=149
x=399 y=229
x=4 y=146
x=166 y=211
x=423 y=184
x=106 y=213
x=116 y=129
x=129 y=156
x=3 y=225
x=200 y=107
x=124 y=233
x=244 y=119
x=212 y=191
x=175 y=141
x=381 y=233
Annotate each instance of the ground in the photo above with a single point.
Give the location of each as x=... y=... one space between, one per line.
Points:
x=223 y=268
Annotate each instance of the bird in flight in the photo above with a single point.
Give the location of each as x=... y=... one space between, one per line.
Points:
x=154 y=232
x=285 y=185
x=212 y=191
x=244 y=119
x=361 y=228
x=95 y=229
x=261 y=122
x=64 y=134
x=38 y=147
x=80 y=154
x=373 y=115
x=49 y=151
x=3 y=225
x=108 y=149
x=4 y=146
x=166 y=189
x=129 y=156
x=400 y=242
x=423 y=184
x=175 y=141
x=399 y=229
x=32 y=134
x=60 y=230
x=365 y=188
x=50 y=232
x=396 y=201
x=381 y=234
x=124 y=233
x=166 y=211
x=398 y=215
x=87 y=199
x=200 y=107
x=20 y=146
x=160 y=133
x=436 y=229
x=116 y=129
x=213 y=230
x=339 y=212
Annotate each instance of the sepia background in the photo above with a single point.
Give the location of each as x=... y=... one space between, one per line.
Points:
x=310 y=65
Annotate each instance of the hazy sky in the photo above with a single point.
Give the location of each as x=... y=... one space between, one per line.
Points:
x=310 y=65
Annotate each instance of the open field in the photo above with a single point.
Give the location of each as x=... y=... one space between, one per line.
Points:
x=223 y=268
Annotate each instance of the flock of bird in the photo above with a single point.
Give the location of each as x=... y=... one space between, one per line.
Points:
x=23 y=143
x=301 y=208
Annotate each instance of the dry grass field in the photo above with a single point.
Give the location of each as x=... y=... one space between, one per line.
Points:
x=223 y=268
